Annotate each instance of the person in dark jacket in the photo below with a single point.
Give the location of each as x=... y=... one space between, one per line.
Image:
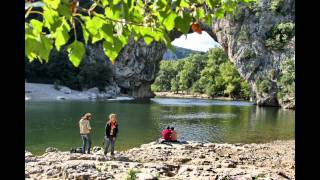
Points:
x=111 y=131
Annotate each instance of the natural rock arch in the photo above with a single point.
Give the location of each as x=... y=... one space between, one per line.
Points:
x=244 y=37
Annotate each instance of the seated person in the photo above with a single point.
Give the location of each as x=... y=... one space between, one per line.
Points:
x=173 y=137
x=166 y=134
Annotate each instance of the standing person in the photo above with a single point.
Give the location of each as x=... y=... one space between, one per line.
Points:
x=111 y=131
x=85 y=129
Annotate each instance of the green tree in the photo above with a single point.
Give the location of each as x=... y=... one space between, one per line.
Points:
x=210 y=82
x=188 y=76
x=175 y=84
x=166 y=73
x=286 y=81
x=210 y=73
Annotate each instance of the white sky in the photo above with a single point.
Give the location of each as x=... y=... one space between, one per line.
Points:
x=195 y=41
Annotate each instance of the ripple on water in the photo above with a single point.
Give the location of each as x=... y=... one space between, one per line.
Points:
x=201 y=115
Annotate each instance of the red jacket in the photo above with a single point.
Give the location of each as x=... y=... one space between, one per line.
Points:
x=166 y=134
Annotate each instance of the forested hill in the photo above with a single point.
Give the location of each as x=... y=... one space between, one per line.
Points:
x=178 y=53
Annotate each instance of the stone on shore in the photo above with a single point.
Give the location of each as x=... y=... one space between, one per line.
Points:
x=273 y=160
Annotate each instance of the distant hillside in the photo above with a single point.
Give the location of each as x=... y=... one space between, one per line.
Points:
x=178 y=53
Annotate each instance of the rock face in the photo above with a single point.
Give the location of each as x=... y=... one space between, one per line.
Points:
x=193 y=160
x=257 y=43
x=135 y=68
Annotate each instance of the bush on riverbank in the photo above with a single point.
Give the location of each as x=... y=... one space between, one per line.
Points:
x=211 y=74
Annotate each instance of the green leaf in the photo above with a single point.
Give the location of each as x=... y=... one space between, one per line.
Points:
x=200 y=13
x=168 y=19
x=115 y=2
x=85 y=34
x=52 y=3
x=104 y=2
x=124 y=40
x=161 y=5
x=31 y=45
x=112 y=49
x=27 y=29
x=135 y=14
x=97 y=37
x=183 y=23
x=62 y=35
x=107 y=32
x=113 y=13
x=64 y=10
x=148 y=39
x=51 y=19
x=76 y=51
x=36 y=25
x=166 y=40
x=37 y=47
x=183 y=4
x=212 y=3
x=93 y=25
x=130 y=3
x=46 y=46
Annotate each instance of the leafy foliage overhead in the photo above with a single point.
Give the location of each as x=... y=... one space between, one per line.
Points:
x=113 y=22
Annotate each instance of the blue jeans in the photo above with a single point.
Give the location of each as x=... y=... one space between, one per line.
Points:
x=109 y=141
x=86 y=138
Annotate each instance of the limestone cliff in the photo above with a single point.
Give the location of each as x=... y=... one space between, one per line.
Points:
x=258 y=40
x=135 y=68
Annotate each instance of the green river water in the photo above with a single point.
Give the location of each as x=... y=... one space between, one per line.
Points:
x=55 y=123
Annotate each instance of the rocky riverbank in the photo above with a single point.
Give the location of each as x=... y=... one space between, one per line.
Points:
x=37 y=91
x=275 y=160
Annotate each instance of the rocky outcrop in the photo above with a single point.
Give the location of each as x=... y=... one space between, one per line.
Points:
x=193 y=160
x=35 y=91
x=136 y=67
x=257 y=40
x=133 y=72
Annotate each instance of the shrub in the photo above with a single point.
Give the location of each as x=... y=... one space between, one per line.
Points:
x=238 y=13
x=263 y=86
x=275 y=5
x=286 y=81
x=248 y=54
x=243 y=36
x=132 y=174
x=280 y=35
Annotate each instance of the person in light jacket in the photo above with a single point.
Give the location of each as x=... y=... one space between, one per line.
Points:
x=85 y=129
x=111 y=131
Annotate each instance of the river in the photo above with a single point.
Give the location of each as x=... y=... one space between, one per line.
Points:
x=55 y=123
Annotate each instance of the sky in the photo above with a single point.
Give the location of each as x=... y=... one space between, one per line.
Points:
x=195 y=41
